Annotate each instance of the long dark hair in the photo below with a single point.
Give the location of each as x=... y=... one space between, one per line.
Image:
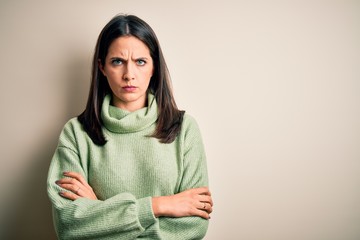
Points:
x=169 y=116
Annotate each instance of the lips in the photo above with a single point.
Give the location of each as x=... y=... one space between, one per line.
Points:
x=129 y=88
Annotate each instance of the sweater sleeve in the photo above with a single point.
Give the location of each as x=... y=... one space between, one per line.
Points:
x=194 y=175
x=194 y=163
x=119 y=217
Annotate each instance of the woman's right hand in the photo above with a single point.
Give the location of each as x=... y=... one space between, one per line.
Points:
x=192 y=202
x=76 y=187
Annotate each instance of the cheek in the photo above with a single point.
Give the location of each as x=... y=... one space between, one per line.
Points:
x=113 y=76
x=146 y=74
x=113 y=81
x=110 y=72
x=148 y=78
x=150 y=71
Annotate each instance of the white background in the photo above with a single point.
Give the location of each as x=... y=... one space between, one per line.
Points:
x=274 y=86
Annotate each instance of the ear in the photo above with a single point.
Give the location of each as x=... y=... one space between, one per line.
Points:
x=101 y=67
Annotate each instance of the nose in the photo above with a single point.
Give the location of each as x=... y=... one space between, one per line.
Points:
x=129 y=73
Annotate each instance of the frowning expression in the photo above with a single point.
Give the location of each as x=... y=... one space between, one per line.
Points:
x=128 y=68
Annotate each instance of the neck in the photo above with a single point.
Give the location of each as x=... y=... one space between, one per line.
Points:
x=130 y=106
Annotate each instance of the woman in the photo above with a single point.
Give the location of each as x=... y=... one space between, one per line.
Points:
x=131 y=165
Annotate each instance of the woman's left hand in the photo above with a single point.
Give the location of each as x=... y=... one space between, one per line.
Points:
x=76 y=185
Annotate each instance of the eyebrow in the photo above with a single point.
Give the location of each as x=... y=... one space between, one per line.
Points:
x=115 y=58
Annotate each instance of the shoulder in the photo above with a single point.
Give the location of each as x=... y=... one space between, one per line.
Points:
x=189 y=121
x=72 y=126
x=190 y=127
x=71 y=132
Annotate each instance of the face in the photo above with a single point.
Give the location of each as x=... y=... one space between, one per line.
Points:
x=128 y=68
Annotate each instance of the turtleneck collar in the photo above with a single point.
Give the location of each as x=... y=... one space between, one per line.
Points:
x=121 y=121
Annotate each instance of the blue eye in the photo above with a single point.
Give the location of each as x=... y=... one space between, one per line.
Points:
x=117 y=62
x=140 y=62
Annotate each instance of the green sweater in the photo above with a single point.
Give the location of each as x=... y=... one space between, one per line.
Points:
x=125 y=173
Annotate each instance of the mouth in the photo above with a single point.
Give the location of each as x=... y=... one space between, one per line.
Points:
x=129 y=88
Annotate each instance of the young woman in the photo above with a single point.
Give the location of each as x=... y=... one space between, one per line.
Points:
x=131 y=165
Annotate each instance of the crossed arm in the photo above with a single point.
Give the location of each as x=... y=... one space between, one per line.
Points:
x=191 y=202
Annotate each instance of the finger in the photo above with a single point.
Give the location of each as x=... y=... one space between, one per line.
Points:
x=71 y=187
x=78 y=177
x=203 y=191
x=208 y=208
x=74 y=185
x=202 y=214
x=201 y=206
x=69 y=195
x=205 y=198
x=205 y=207
x=68 y=181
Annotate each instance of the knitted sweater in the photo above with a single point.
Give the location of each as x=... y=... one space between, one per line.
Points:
x=124 y=174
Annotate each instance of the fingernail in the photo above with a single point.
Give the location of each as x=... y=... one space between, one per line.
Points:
x=57 y=181
x=65 y=173
x=61 y=193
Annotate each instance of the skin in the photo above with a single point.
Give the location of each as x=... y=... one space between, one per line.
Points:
x=128 y=63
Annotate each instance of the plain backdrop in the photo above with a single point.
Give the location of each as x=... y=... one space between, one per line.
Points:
x=274 y=86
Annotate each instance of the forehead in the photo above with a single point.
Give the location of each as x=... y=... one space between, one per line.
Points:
x=126 y=45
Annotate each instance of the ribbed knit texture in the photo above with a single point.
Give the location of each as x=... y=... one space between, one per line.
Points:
x=125 y=173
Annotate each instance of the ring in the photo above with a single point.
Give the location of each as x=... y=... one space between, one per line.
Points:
x=77 y=191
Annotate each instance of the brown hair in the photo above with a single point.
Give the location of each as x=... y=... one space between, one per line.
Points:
x=169 y=116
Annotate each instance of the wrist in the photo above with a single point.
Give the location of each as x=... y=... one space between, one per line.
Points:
x=155 y=206
x=158 y=206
